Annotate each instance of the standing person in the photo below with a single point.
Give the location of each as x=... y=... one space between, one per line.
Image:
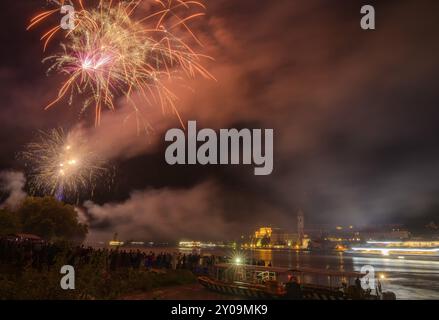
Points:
x=294 y=291
x=358 y=289
x=358 y=284
x=174 y=261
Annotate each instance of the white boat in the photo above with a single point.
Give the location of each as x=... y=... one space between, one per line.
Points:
x=398 y=249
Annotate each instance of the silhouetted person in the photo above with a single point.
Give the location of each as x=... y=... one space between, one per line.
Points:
x=294 y=291
x=358 y=284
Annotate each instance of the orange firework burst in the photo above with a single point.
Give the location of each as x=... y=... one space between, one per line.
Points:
x=109 y=53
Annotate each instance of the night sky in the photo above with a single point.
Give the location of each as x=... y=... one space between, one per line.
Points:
x=355 y=115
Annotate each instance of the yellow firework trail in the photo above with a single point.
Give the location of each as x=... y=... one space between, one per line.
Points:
x=113 y=53
x=62 y=165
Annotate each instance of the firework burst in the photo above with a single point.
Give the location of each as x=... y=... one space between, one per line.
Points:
x=62 y=165
x=111 y=53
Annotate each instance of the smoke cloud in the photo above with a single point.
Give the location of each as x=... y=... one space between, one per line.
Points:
x=13 y=182
x=160 y=214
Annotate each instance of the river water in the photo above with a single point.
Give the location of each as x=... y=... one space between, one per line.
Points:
x=408 y=278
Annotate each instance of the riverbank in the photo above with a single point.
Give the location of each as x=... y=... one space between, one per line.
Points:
x=32 y=271
x=192 y=291
x=91 y=283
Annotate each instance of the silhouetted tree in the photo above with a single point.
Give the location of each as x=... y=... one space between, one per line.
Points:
x=51 y=219
x=9 y=222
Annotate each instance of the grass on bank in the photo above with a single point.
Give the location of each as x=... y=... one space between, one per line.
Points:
x=92 y=283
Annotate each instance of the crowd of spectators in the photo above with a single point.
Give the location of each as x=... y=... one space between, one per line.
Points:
x=43 y=255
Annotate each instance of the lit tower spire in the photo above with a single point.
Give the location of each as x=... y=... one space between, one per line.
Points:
x=300 y=226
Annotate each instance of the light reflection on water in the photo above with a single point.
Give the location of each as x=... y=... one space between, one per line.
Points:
x=407 y=278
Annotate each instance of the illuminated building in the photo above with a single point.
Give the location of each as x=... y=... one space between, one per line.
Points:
x=262 y=238
x=394 y=234
x=196 y=244
x=267 y=237
x=263 y=232
x=342 y=235
x=190 y=244
x=115 y=242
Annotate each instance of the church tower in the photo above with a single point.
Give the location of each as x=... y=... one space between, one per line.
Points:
x=300 y=226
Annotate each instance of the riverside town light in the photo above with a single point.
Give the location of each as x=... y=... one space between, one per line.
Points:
x=230 y=142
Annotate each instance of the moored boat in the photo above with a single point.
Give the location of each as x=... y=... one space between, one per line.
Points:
x=259 y=282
